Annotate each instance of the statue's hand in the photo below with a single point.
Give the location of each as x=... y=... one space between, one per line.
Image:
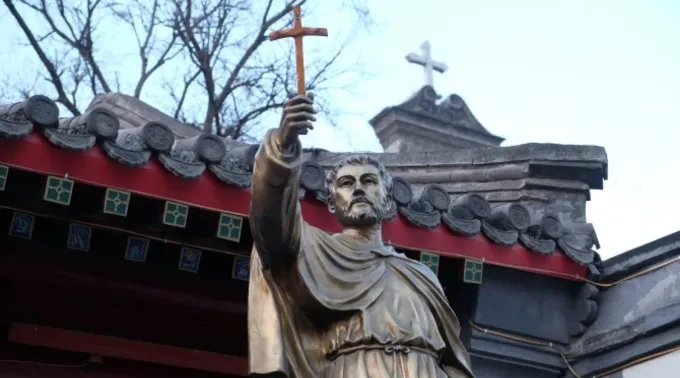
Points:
x=297 y=118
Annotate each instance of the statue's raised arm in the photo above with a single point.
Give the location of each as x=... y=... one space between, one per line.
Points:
x=344 y=305
x=275 y=219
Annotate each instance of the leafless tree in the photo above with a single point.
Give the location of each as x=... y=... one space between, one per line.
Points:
x=210 y=57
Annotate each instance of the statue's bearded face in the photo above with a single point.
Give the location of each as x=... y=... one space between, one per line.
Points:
x=359 y=196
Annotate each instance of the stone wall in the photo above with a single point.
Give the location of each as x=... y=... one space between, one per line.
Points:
x=421 y=123
x=637 y=317
x=546 y=178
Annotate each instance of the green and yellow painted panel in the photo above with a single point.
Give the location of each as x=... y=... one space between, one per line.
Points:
x=175 y=214
x=116 y=202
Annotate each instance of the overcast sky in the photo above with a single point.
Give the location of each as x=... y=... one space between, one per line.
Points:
x=603 y=72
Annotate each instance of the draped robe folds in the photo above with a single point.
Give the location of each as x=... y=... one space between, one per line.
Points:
x=311 y=293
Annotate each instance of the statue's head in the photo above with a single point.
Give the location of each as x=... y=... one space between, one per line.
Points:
x=360 y=191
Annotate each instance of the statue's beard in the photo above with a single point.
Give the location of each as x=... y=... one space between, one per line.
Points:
x=348 y=218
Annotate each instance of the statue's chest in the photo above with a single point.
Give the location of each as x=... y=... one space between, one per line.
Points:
x=399 y=313
x=398 y=292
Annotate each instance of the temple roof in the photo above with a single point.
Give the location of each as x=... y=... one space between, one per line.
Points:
x=452 y=109
x=520 y=195
x=446 y=124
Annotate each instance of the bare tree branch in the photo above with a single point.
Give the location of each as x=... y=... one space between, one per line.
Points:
x=208 y=57
x=181 y=98
x=55 y=78
x=149 y=21
x=261 y=37
x=209 y=33
x=80 y=40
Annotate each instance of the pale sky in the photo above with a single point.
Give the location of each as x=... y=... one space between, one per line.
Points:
x=602 y=72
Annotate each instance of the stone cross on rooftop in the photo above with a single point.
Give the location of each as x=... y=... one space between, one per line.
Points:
x=426 y=61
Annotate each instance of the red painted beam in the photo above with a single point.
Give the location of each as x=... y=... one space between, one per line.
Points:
x=37 y=154
x=94 y=167
x=401 y=234
x=108 y=346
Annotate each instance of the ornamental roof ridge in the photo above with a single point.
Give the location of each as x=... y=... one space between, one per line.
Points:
x=452 y=110
x=150 y=136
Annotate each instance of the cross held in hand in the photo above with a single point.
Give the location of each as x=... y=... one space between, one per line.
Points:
x=297 y=33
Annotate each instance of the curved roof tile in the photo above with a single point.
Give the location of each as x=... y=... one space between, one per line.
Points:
x=189 y=158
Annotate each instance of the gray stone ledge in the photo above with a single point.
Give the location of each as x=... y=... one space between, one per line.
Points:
x=515 y=351
x=632 y=310
x=547 y=152
x=624 y=353
x=641 y=257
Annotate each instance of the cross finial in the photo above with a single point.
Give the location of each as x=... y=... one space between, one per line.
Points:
x=297 y=32
x=426 y=61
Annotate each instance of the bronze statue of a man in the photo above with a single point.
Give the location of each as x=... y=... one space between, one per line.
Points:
x=343 y=305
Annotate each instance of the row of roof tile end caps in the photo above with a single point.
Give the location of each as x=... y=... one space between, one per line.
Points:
x=187 y=158
x=467 y=215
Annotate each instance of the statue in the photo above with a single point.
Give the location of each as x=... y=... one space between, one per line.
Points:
x=344 y=305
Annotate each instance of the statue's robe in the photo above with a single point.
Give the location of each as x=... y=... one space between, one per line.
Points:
x=330 y=306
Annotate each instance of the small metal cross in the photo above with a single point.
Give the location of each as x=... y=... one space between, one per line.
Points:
x=426 y=61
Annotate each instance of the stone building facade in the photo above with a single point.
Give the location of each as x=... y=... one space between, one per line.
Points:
x=423 y=124
x=623 y=323
x=573 y=329
x=618 y=320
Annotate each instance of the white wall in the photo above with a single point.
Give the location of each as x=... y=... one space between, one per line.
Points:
x=667 y=366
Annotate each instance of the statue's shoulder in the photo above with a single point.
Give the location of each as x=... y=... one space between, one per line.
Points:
x=310 y=231
x=419 y=267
